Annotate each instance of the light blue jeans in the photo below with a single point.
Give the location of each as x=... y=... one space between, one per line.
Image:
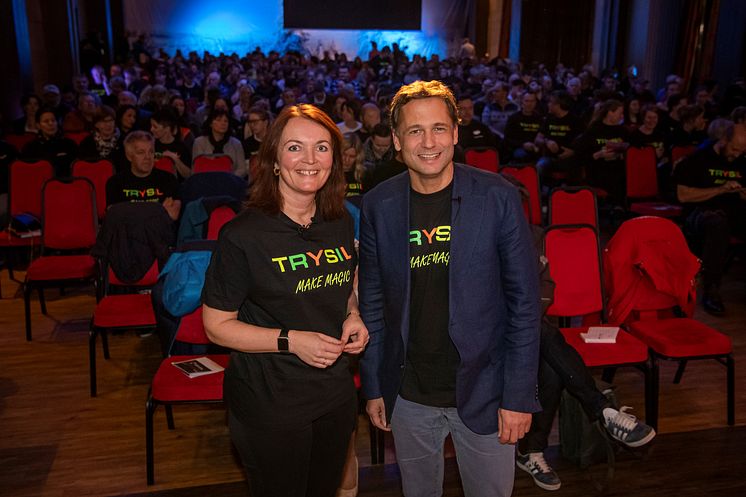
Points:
x=487 y=467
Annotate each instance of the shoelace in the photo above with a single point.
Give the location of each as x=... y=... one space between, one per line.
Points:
x=540 y=463
x=623 y=422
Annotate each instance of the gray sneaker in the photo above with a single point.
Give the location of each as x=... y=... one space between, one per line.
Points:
x=534 y=464
x=626 y=428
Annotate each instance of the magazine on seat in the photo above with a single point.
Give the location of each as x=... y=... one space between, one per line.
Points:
x=199 y=366
x=600 y=334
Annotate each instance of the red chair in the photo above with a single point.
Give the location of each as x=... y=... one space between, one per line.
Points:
x=642 y=183
x=485 y=158
x=650 y=274
x=69 y=226
x=528 y=176
x=574 y=264
x=166 y=164
x=78 y=136
x=212 y=163
x=120 y=311
x=20 y=141
x=218 y=218
x=679 y=152
x=98 y=173
x=170 y=386
x=573 y=205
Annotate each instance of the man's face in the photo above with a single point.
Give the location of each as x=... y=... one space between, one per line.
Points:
x=141 y=156
x=528 y=103
x=371 y=117
x=381 y=145
x=426 y=136
x=736 y=146
x=87 y=104
x=466 y=111
x=80 y=84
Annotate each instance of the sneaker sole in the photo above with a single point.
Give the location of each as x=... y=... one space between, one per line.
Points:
x=545 y=486
x=642 y=441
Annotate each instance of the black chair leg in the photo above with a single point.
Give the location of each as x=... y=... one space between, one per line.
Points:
x=731 y=373
x=170 y=417
x=27 y=310
x=679 y=371
x=92 y=359
x=42 y=302
x=105 y=343
x=149 y=462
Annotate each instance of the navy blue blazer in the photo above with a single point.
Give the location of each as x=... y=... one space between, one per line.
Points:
x=494 y=301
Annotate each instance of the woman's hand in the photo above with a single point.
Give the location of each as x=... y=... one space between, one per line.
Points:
x=354 y=334
x=315 y=349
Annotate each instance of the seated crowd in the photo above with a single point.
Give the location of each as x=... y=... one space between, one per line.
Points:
x=573 y=125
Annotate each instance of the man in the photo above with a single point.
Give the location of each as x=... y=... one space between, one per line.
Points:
x=453 y=320
x=370 y=116
x=472 y=133
x=711 y=184
x=521 y=130
x=142 y=182
x=81 y=119
x=498 y=109
x=378 y=148
x=555 y=139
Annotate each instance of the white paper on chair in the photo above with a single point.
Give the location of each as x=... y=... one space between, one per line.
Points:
x=600 y=334
x=198 y=367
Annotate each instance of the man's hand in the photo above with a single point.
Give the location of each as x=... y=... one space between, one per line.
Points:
x=354 y=334
x=172 y=207
x=512 y=425
x=377 y=412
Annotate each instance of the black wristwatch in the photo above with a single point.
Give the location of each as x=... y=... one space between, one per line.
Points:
x=283 y=341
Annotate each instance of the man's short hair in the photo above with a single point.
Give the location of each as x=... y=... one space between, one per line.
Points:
x=381 y=130
x=166 y=117
x=675 y=100
x=137 y=136
x=563 y=99
x=690 y=112
x=419 y=90
x=720 y=128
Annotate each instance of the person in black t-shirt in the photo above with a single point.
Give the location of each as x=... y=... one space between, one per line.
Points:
x=710 y=182
x=279 y=292
x=50 y=145
x=142 y=182
x=555 y=139
x=521 y=130
x=165 y=128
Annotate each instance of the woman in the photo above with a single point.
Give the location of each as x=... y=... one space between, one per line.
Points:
x=50 y=145
x=352 y=163
x=218 y=140
x=648 y=134
x=27 y=123
x=168 y=143
x=279 y=292
x=632 y=114
x=104 y=142
x=257 y=123
x=126 y=119
x=187 y=127
x=603 y=146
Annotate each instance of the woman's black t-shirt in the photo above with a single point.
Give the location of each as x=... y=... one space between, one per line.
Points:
x=277 y=274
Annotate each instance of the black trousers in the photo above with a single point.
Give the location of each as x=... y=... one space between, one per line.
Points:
x=300 y=460
x=710 y=230
x=560 y=367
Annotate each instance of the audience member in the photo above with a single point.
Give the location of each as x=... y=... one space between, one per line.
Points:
x=50 y=145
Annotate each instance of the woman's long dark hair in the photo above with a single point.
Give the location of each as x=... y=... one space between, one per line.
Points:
x=265 y=191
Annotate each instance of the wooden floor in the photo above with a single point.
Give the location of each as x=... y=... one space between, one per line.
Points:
x=57 y=441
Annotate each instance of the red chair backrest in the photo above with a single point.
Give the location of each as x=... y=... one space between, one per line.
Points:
x=530 y=179
x=679 y=152
x=166 y=164
x=150 y=278
x=486 y=159
x=191 y=329
x=69 y=219
x=573 y=206
x=642 y=175
x=574 y=264
x=20 y=141
x=26 y=182
x=218 y=218
x=212 y=163
x=98 y=173
x=77 y=137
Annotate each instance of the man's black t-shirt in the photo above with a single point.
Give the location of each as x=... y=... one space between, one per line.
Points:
x=562 y=130
x=155 y=187
x=475 y=134
x=706 y=169
x=521 y=129
x=277 y=274
x=432 y=358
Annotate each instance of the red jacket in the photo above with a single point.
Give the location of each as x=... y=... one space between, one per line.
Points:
x=648 y=265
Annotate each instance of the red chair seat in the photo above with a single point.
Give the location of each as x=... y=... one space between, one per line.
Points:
x=681 y=337
x=61 y=267
x=660 y=209
x=626 y=350
x=124 y=311
x=172 y=385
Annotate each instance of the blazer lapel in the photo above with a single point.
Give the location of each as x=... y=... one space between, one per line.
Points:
x=466 y=220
